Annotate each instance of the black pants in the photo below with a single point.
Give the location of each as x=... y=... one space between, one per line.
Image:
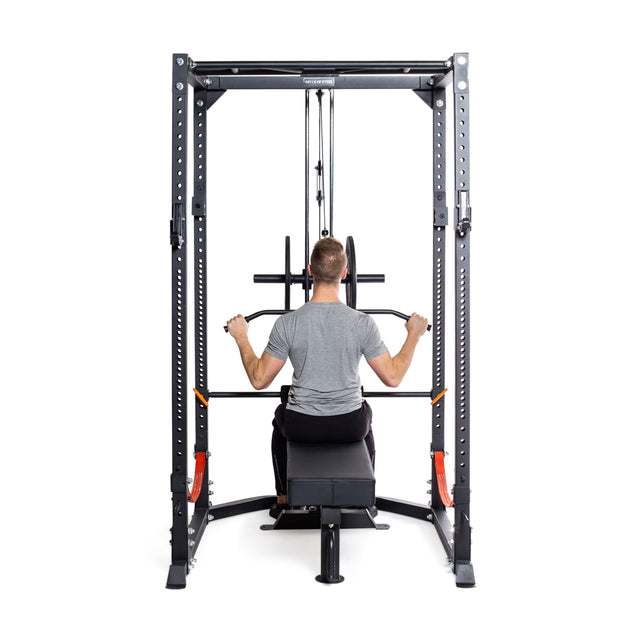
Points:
x=300 y=427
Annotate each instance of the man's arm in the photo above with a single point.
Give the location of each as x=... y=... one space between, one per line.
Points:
x=392 y=370
x=261 y=371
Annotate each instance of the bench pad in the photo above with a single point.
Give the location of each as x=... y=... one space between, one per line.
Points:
x=330 y=475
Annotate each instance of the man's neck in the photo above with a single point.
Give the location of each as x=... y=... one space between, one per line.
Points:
x=326 y=293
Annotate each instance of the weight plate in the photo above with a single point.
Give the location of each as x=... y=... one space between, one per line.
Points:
x=351 y=284
x=287 y=273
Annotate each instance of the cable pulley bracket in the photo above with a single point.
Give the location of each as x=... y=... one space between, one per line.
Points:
x=464 y=214
x=177 y=226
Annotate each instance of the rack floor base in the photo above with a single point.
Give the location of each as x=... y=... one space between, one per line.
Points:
x=310 y=519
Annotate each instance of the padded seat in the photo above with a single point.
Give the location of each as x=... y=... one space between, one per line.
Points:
x=330 y=475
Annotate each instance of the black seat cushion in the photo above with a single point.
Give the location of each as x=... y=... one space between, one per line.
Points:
x=331 y=475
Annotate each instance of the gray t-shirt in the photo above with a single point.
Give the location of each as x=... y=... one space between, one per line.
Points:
x=325 y=341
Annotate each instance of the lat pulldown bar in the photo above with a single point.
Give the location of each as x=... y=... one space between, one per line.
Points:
x=280 y=312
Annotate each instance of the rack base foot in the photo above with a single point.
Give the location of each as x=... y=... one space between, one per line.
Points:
x=464 y=575
x=177 y=576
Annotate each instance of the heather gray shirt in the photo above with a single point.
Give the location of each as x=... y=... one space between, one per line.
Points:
x=325 y=341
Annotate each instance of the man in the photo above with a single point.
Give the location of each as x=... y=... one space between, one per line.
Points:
x=325 y=340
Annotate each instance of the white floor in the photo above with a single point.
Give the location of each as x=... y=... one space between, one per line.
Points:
x=85 y=346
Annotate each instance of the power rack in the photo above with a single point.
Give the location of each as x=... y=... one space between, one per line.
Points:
x=432 y=82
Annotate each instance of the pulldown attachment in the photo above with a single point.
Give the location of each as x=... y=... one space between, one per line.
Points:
x=350 y=282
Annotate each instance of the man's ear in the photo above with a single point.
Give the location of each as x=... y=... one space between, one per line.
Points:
x=309 y=269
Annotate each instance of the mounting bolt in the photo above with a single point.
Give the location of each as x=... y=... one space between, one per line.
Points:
x=200 y=103
x=192 y=543
x=210 y=518
x=210 y=493
x=208 y=81
x=191 y=531
x=189 y=480
x=440 y=103
x=180 y=61
x=210 y=482
x=179 y=86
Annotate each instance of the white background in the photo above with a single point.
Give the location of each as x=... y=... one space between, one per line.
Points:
x=86 y=308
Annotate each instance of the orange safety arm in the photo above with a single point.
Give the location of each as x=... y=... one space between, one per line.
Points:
x=201 y=461
x=441 y=479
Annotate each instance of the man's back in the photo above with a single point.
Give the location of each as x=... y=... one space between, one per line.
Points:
x=325 y=342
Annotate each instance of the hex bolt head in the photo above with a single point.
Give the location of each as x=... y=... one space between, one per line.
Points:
x=192 y=543
x=439 y=103
x=210 y=518
x=200 y=103
x=179 y=86
x=191 y=531
x=180 y=61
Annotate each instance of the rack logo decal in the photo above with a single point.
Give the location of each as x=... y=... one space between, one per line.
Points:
x=319 y=82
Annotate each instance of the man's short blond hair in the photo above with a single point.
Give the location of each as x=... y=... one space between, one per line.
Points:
x=328 y=261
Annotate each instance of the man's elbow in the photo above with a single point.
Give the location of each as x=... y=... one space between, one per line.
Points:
x=259 y=384
x=391 y=380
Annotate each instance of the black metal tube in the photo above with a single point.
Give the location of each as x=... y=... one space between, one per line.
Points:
x=276 y=394
x=279 y=312
x=291 y=67
x=278 y=278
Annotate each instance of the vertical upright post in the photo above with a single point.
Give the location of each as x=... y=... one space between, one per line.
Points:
x=440 y=220
x=199 y=211
x=462 y=491
x=179 y=539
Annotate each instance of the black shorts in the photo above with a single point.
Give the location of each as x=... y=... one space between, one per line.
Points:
x=345 y=427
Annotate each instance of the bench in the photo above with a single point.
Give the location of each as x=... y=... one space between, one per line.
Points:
x=337 y=482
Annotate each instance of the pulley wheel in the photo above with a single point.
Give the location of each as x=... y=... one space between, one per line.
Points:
x=287 y=273
x=351 y=284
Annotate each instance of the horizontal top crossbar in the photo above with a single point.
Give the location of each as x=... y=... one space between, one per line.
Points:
x=319 y=68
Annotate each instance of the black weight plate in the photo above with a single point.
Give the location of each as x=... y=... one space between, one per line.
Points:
x=351 y=284
x=287 y=273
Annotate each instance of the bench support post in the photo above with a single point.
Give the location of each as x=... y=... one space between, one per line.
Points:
x=330 y=519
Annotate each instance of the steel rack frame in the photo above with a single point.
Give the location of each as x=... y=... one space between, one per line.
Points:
x=204 y=83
